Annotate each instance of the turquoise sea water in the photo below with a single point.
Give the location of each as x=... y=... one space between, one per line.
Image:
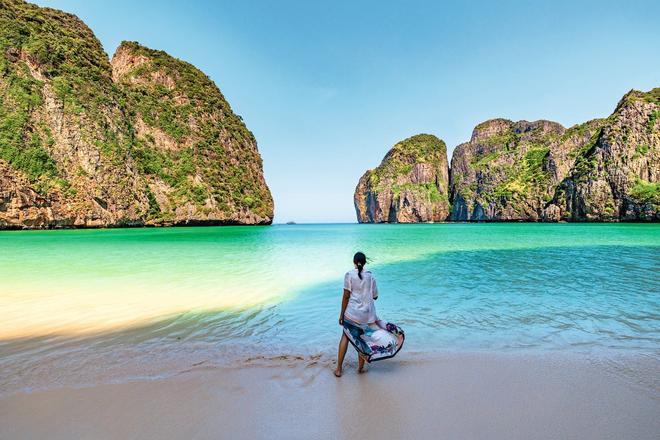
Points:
x=77 y=298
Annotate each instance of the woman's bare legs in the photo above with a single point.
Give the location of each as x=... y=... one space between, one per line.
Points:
x=343 y=346
x=360 y=364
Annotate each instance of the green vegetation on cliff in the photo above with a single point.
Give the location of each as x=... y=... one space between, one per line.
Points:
x=514 y=160
x=646 y=192
x=154 y=142
x=173 y=98
x=510 y=170
x=525 y=177
x=179 y=92
x=422 y=147
x=615 y=174
x=600 y=170
x=409 y=185
x=399 y=161
x=21 y=143
x=46 y=48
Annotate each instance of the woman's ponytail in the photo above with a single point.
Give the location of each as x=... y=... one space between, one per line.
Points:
x=359 y=259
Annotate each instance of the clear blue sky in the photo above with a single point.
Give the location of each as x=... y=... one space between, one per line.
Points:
x=328 y=87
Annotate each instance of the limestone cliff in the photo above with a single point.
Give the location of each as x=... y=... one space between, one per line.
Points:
x=616 y=176
x=509 y=170
x=602 y=170
x=64 y=140
x=410 y=185
x=151 y=141
x=198 y=158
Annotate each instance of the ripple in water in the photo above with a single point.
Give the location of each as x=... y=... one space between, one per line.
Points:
x=107 y=305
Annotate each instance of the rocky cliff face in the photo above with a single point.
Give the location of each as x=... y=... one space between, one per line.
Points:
x=148 y=140
x=199 y=160
x=64 y=140
x=410 y=185
x=509 y=170
x=616 y=176
x=601 y=170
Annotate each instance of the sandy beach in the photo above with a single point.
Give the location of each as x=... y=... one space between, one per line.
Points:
x=469 y=396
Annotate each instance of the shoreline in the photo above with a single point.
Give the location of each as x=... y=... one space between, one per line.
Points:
x=212 y=223
x=191 y=224
x=477 y=395
x=90 y=368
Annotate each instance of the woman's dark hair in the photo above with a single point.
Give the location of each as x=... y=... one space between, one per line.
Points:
x=360 y=260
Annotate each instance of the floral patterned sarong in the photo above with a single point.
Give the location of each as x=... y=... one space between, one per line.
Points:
x=376 y=341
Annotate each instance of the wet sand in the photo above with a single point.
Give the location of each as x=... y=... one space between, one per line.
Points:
x=478 y=396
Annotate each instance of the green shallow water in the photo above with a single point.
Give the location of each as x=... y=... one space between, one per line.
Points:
x=234 y=291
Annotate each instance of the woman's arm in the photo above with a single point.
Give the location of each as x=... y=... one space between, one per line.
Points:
x=344 y=303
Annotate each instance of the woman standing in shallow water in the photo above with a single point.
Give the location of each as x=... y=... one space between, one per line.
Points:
x=373 y=338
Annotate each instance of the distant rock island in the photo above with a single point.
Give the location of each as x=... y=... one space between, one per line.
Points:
x=410 y=185
x=146 y=139
x=601 y=170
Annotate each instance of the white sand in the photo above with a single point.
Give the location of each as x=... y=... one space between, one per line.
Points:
x=484 y=396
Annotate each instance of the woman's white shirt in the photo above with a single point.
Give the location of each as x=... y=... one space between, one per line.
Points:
x=361 y=308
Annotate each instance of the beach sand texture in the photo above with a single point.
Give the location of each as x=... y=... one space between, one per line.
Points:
x=468 y=396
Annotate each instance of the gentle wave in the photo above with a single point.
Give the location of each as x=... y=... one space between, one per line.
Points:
x=103 y=305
